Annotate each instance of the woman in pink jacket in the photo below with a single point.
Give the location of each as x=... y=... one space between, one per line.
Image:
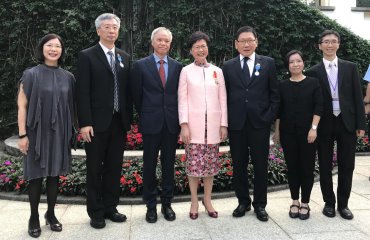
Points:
x=203 y=120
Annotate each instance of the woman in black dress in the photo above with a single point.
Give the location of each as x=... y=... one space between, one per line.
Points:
x=296 y=129
x=45 y=116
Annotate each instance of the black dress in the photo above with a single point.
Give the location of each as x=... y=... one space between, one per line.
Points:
x=50 y=93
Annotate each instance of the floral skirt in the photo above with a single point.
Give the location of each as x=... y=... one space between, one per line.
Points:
x=202 y=160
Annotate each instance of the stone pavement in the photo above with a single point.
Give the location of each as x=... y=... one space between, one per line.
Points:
x=14 y=218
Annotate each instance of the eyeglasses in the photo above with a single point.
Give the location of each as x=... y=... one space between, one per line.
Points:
x=327 y=42
x=203 y=47
x=244 y=41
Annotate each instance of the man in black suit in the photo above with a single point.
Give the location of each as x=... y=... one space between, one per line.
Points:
x=104 y=111
x=155 y=81
x=252 y=104
x=342 y=121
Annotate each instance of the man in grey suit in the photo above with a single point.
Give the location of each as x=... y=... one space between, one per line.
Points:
x=342 y=121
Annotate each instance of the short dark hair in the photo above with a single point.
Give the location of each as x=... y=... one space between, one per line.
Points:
x=245 y=29
x=196 y=36
x=328 y=32
x=289 y=54
x=40 y=47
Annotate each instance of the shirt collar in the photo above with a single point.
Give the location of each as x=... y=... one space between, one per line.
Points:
x=156 y=58
x=106 y=50
x=327 y=62
x=251 y=57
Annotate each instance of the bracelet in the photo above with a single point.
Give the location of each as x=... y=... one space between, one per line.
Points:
x=22 y=136
x=366 y=103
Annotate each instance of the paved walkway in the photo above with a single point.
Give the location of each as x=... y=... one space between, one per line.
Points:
x=14 y=218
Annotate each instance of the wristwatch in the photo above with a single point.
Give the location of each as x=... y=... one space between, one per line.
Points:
x=314 y=127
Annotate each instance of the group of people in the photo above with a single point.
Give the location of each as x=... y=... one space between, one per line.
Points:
x=202 y=103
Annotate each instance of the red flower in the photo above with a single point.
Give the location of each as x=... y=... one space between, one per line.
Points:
x=177 y=172
x=229 y=173
x=123 y=180
x=214 y=75
x=183 y=158
x=133 y=189
x=63 y=178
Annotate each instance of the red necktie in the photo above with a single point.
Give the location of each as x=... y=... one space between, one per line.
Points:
x=162 y=73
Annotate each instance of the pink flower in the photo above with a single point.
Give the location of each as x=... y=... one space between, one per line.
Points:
x=8 y=163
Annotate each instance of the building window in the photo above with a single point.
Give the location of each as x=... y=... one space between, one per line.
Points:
x=362 y=3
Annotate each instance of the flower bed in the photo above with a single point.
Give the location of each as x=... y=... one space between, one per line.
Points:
x=11 y=178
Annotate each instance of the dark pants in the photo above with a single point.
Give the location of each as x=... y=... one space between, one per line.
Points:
x=300 y=158
x=152 y=143
x=249 y=143
x=104 y=157
x=346 y=148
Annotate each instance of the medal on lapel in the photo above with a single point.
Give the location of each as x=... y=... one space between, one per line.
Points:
x=257 y=68
x=120 y=60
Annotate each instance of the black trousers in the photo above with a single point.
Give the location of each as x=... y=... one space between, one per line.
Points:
x=346 y=149
x=300 y=158
x=250 y=143
x=152 y=143
x=104 y=157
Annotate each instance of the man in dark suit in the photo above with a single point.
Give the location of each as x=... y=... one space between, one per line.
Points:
x=343 y=118
x=252 y=104
x=104 y=111
x=155 y=82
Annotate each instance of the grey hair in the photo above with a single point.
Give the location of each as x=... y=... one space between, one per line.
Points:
x=107 y=16
x=155 y=31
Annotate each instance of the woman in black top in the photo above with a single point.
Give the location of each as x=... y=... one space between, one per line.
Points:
x=296 y=126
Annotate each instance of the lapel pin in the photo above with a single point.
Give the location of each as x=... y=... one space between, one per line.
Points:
x=257 y=68
x=120 y=60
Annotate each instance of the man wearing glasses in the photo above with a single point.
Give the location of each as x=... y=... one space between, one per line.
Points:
x=252 y=103
x=342 y=121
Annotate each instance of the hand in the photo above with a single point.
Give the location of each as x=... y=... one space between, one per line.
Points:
x=87 y=133
x=185 y=133
x=223 y=133
x=360 y=133
x=276 y=137
x=23 y=145
x=312 y=134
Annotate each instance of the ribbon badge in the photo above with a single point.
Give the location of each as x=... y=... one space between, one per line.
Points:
x=215 y=77
x=120 y=61
x=257 y=68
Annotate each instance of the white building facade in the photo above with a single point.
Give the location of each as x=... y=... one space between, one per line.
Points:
x=348 y=13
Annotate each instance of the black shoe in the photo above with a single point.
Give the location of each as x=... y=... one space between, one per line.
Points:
x=329 y=211
x=34 y=232
x=116 y=217
x=261 y=214
x=55 y=225
x=294 y=214
x=241 y=210
x=97 y=223
x=151 y=215
x=346 y=213
x=304 y=216
x=168 y=213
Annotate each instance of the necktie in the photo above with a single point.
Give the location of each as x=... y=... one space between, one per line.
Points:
x=333 y=82
x=116 y=87
x=245 y=70
x=162 y=74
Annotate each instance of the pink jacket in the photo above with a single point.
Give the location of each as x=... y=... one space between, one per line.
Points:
x=201 y=90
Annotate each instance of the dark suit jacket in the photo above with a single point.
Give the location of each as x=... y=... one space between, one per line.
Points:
x=299 y=101
x=258 y=100
x=155 y=105
x=95 y=86
x=350 y=96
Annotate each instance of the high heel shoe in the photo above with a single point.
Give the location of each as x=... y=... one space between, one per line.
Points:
x=211 y=214
x=193 y=216
x=34 y=232
x=56 y=227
